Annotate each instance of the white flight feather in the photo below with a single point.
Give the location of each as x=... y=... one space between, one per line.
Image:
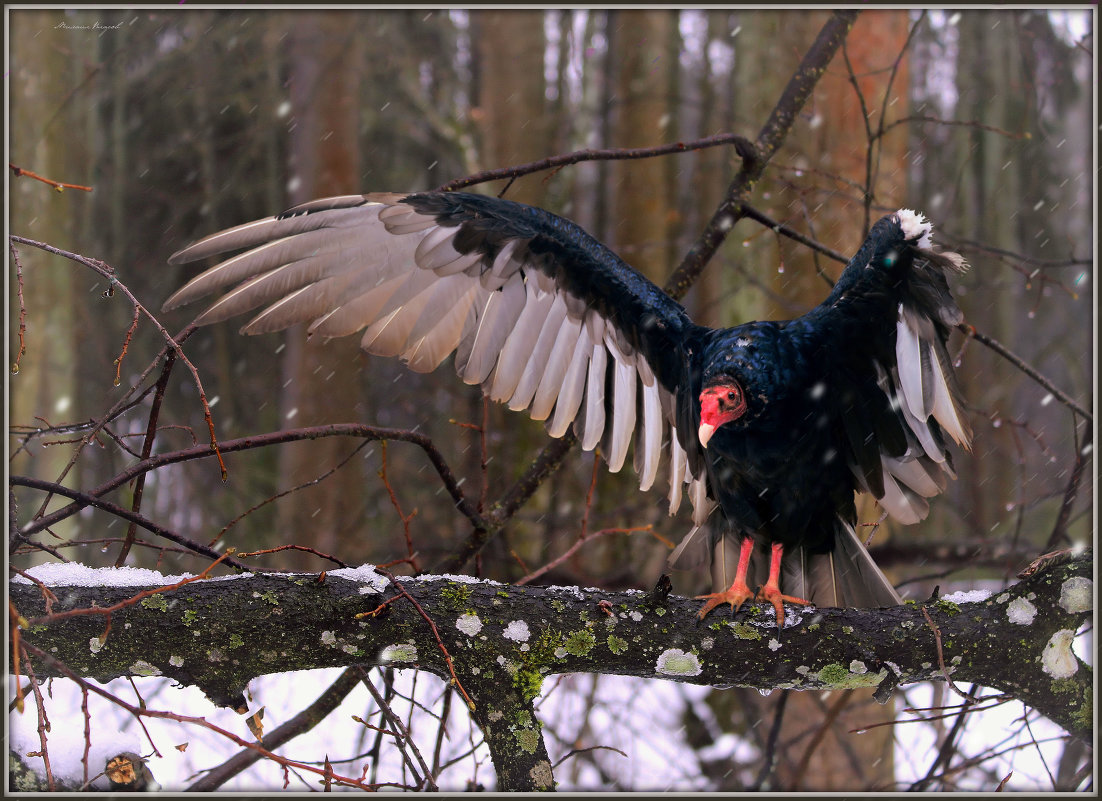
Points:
x=573 y=386
x=537 y=359
x=702 y=507
x=427 y=347
x=945 y=411
x=908 y=356
x=363 y=309
x=649 y=443
x=498 y=318
x=679 y=465
x=518 y=345
x=902 y=503
x=623 y=405
x=595 y=396
x=388 y=335
x=555 y=366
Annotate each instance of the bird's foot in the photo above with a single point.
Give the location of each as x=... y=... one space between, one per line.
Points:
x=773 y=595
x=735 y=595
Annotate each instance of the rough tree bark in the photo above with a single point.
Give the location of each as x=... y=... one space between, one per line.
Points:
x=498 y=642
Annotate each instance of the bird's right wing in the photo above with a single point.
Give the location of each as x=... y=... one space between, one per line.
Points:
x=540 y=314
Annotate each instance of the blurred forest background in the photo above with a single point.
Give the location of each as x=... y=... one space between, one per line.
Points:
x=189 y=121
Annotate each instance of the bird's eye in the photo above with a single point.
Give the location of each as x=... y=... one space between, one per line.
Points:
x=732 y=396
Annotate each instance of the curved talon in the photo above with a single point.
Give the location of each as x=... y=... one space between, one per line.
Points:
x=736 y=595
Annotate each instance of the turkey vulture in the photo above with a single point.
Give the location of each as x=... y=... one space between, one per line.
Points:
x=774 y=424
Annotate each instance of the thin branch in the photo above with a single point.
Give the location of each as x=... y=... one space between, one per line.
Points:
x=605 y=154
x=147 y=448
x=85 y=500
x=435 y=632
x=1060 y=528
x=108 y=272
x=301 y=723
x=22 y=308
x=361 y=430
x=425 y=781
x=43 y=721
x=1026 y=368
x=58 y=185
x=769 y=757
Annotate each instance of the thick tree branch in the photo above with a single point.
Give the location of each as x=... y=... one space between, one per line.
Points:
x=503 y=640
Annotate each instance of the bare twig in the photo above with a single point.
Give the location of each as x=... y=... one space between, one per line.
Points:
x=1026 y=368
x=1060 y=528
x=402 y=593
x=147 y=448
x=273 y=498
x=769 y=756
x=941 y=657
x=108 y=272
x=754 y=160
x=263 y=440
x=411 y=554
x=86 y=499
x=22 y=308
x=141 y=711
x=607 y=154
x=58 y=185
x=305 y=548
x=43 y=721
x=426 y=780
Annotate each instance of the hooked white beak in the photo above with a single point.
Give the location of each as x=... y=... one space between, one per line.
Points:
x=704 y=433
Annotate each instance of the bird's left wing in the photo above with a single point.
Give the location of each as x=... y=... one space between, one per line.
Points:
x=883 y=330
x=540 y=314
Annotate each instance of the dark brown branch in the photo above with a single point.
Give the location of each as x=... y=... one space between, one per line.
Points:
x=1026 y=368
x=606 y=154
x=263 y=440
x=147 y=449
x=781 y=228
x=1060 y=528
x=108 y=272
x=819 y=649
x=754 y=156
x=85 y=500
x=301 y=723
x=22 y=308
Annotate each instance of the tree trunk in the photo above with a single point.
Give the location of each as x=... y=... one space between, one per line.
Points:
x=512 y=107
x=323 y=380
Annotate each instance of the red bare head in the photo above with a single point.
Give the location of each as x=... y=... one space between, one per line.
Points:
x=719 y=404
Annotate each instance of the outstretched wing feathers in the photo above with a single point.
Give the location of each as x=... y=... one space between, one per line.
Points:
x=538 y=313
x=898 y=451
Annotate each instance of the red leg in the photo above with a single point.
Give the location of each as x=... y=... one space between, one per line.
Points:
x=771 y=592
x=738 y=592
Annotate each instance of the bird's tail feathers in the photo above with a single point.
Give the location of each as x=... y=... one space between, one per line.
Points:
x=694 y=549
x=844 y=577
